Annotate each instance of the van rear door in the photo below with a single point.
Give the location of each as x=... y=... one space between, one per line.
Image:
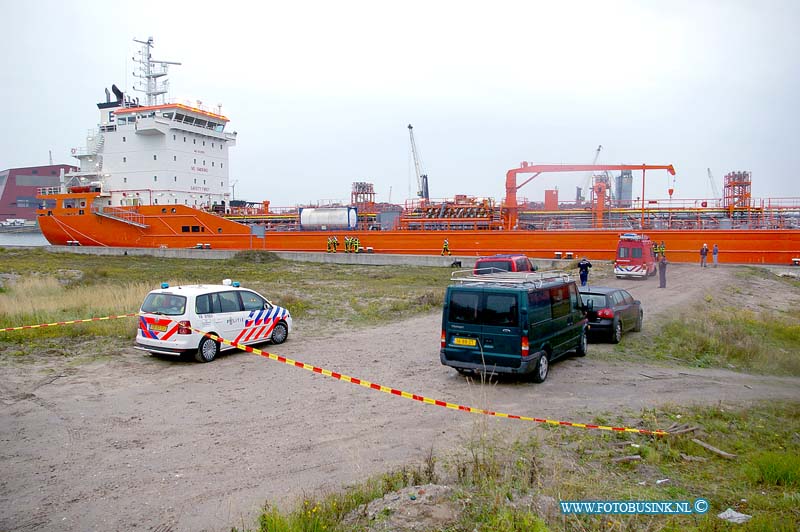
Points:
x=462 y=325
x=501 y=328
x=483 y=327
x=624 y=252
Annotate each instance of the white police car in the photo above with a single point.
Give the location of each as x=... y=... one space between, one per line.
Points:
x=170 y=318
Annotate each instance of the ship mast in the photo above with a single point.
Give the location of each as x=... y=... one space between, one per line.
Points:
x=149 y=71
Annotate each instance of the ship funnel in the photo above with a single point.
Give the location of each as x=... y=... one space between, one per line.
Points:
x=108 y=96
x=117 y=92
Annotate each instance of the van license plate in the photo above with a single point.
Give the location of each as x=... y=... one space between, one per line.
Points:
x=465 y=341
x=159 y=328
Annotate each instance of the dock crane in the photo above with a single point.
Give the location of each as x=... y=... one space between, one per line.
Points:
x=587 y=184
x=422 y=179
x=714 y=188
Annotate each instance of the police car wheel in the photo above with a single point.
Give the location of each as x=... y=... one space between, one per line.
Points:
x=542 y=369
x=638 y=326
x=207 y=350
x=279 y=333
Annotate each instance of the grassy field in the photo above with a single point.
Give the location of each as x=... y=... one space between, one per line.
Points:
x=44 y=287
x=505 y=486
x=729 y=330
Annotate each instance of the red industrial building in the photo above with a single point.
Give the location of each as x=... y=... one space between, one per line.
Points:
x=19 y=187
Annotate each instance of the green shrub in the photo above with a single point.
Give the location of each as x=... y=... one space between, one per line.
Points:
x=775 y=469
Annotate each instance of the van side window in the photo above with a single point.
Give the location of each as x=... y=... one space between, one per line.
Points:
x=251 y=301
x=229 y=302
x=521 y=266
x=574 y=300
x=539 y=305
x=501 y=309
x=559 y=301
x=464 y=307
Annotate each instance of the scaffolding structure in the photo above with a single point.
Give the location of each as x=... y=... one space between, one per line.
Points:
x=737 y=193
x=362 y=194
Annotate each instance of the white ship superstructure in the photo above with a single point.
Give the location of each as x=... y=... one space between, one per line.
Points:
x=159 y=153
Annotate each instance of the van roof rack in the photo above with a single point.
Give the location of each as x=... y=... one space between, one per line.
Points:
x=537 y=279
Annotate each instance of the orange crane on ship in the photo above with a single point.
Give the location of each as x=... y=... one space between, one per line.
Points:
x=511 y=206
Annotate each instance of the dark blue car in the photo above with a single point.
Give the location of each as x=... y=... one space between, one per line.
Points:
x=613 y=311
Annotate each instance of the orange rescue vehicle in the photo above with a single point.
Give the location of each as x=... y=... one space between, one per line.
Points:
x=635 y=256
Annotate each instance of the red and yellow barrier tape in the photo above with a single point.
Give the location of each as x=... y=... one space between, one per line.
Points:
x=41 y=325
x=364 y=383
x=421 y=398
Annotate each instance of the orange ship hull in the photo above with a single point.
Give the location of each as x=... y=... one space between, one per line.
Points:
x=179 y=226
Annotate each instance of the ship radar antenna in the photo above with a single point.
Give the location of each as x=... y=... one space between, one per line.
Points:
x=150 y=72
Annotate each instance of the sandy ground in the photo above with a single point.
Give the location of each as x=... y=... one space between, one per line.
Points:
x=134 y=442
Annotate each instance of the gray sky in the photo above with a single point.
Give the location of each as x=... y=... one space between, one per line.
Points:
x=321 y=92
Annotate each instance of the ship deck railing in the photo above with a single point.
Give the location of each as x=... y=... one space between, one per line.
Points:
x=121 y=215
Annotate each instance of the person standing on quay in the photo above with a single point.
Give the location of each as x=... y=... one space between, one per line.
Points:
x=583 y=268
x=703 y=255
x=714 y=254
x=662 y=272
x=446 y=247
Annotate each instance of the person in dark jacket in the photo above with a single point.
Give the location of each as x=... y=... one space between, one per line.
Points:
x=583 y=268
x=662 y=272
x=704 y=255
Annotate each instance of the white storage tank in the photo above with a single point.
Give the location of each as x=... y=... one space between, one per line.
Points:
x=327 y=218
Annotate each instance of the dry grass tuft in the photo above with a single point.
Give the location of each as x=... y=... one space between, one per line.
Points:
x=37 y=299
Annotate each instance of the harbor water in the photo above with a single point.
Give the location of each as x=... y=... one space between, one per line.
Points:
x=22 y=238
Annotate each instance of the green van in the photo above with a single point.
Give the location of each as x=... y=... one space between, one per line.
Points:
x=511 y=323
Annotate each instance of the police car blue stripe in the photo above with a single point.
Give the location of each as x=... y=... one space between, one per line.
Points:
x=146 y=329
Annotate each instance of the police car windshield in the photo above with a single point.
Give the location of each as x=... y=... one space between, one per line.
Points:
x=166 y=304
